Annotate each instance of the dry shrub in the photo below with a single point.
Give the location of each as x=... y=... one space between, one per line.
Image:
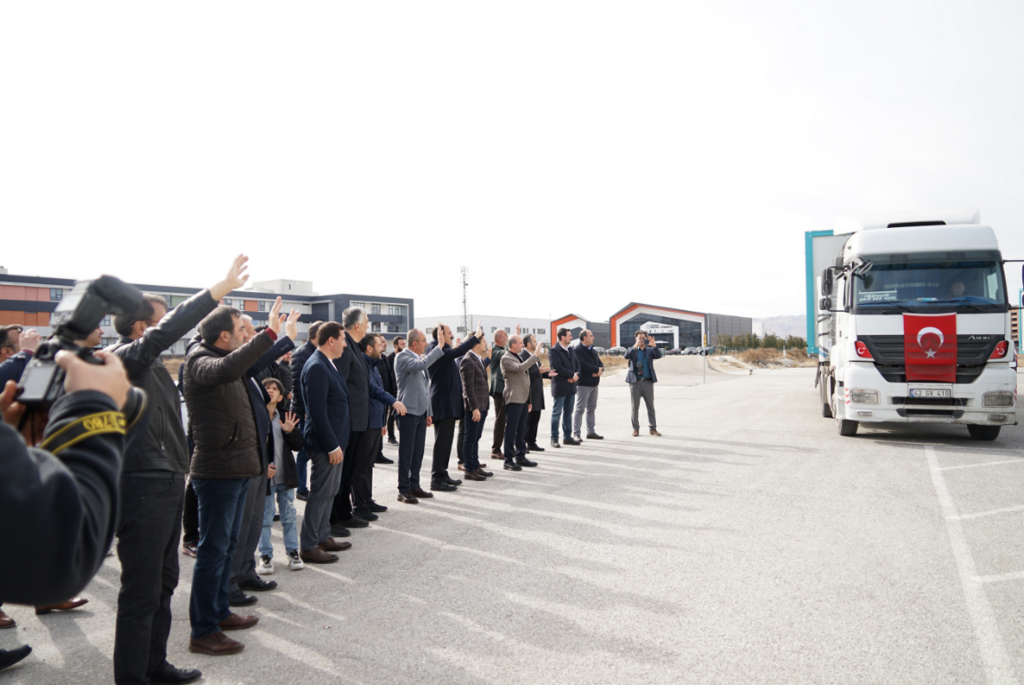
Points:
x=767 y=355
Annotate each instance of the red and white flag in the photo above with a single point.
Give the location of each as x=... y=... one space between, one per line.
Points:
x=929 y=347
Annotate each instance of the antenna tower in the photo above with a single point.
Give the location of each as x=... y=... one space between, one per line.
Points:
x=465 y=310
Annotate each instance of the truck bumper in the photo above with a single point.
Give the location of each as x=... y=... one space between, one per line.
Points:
x=896 y=406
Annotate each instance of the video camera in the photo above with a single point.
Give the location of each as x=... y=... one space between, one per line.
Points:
x=76 y=317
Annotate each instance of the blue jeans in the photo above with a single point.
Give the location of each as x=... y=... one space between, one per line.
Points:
x=285 y=497
x=562 y=408
x=412 y=431
x=220 y=518
x=471 y=441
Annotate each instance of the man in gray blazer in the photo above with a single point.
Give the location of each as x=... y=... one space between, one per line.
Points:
x=517 y=403
x=414 y=393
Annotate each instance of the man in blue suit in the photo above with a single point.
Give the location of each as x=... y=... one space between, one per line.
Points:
x=641 y=379
x=326 y=433
x=563 y=389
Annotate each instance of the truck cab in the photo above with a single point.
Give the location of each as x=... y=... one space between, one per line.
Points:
x=913 y=325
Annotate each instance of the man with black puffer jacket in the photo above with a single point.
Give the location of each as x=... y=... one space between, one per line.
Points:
x=227 y=456
x=152 y=484
x=299 y=359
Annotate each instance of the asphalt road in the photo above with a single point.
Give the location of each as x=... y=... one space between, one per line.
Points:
x=749 y=544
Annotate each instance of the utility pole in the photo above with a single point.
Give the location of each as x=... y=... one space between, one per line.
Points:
x=465 y=309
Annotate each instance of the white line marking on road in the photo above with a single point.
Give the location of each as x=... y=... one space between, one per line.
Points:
x=987 y=463
x=993 y=512
x=1019 y=575
x=998 y=669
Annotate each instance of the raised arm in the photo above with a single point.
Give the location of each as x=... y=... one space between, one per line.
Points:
x=511 y=364
x=208 y=370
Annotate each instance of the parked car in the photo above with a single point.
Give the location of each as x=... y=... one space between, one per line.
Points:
x=617 y=351
x=600 y=350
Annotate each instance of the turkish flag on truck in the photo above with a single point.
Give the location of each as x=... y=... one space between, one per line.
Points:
x=929 y=347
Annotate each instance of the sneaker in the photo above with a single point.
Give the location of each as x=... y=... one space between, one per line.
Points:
x=265 y=566
x=190 y=549
x=294 y=562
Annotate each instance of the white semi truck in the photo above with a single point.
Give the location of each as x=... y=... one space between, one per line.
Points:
x=910 y=318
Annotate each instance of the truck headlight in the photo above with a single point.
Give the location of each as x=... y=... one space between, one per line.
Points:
x=863 y=396
x=1001 y=398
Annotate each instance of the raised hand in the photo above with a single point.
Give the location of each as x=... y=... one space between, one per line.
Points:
x=291 y=327
x=235 y=279
x=28 y=340
x=289 y=423
x=479 y=330
x=276 y=319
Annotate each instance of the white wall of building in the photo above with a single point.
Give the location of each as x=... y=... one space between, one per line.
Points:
x=539 y=327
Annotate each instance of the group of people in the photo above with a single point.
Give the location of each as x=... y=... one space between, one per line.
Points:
x=254 y=400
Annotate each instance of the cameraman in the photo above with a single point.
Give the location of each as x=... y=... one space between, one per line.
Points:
x=16 y=349
x=153 y=484
x=58 y=501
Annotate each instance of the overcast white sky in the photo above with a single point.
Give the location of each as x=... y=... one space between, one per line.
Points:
x=575 y=156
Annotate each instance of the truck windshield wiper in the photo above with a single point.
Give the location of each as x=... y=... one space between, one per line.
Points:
x=960 y=304
x=887 y=305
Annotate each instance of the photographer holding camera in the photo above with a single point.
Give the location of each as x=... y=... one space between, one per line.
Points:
x=152 y=484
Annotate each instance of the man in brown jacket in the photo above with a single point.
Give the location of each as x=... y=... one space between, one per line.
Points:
x=227 y=455
x=475 y=403
x=516 y=396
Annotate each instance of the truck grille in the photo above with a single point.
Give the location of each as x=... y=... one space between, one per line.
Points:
x=887 y=351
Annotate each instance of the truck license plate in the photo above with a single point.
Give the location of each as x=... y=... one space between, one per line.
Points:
x=931 y=392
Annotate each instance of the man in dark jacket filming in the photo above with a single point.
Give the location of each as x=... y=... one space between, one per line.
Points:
x=153 y=484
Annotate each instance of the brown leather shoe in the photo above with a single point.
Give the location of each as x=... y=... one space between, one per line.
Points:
x=654 y=432
x=317 y=556
x=215 y=644
x=462 y=467
x=5 y=620
x=407 y=498
x=474 y=475
x=421 y=493
x=236 y=622
x=333 y=545
x=636 y=433
x=72 y=603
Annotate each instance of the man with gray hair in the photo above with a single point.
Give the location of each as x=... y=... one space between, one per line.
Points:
x=414 y=393
x=359 y=455
x=497 y=391
x=590 y=368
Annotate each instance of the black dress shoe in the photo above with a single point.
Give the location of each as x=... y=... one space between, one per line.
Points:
x=9 y=657
x=377 y=508
x=240 y=599
x=170 y=674
x=353 y=522
x=407 y=498
x=526 y=462
x=381 y=459
x=277 y=517
x=302 y=494
x=441 y=486
x=258 y=585
x=392 y=441
x=339 y=531
x=473 y=475
x=534 y=447
x=367 y=515
x=569 y=441
x=554 y=443
x=594 y=436
x=511 y=466
x=485 y=474
x=452 y=481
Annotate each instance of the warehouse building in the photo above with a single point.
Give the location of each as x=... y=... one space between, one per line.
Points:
x=671 y=327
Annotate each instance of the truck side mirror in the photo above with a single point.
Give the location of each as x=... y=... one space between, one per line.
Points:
x=825 y=304
x=826 y=282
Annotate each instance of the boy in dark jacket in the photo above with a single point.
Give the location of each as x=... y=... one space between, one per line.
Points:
x=282 y=441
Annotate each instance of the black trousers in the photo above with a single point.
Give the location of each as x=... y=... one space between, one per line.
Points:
x=147 y=544
x=190 y=516
x=499 y=424
x=392 y=418
x=531 y=427
x=362 y=475
x=444 y=434
x=342 y=508
x=515 y=431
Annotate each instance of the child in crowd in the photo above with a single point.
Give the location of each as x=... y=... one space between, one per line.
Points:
x=283 y=439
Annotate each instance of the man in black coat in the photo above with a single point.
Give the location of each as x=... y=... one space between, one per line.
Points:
x=563 y=387
x=590 y=368
x=399 y=344
x=353 y=368
x=386 y=371
x=299 y=358
x=537 y=373
x=446 y=402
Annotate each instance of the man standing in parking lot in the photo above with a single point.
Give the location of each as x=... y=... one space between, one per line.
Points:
x=590 y=368
x=641 y=379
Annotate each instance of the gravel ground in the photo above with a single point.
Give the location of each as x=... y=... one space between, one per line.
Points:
x=749 y=544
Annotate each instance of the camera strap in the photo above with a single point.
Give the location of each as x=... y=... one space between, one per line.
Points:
x=84 y=428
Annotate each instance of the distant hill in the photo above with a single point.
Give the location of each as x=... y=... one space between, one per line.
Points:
x=782 y=326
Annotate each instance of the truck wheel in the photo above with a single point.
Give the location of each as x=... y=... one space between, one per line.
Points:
x=826 y=410
x=984 y=432
x=847 y=427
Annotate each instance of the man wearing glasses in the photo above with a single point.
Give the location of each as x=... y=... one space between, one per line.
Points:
x=16 y=349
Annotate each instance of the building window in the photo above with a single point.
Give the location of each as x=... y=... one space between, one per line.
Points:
x=493 y=328
x=393 y=328
x=396 y=310
x=262 y=305
x=375 y=327
x=507 y=329
x=105 y=321
x=107 y=342
x=361 y=305
x=56 y=294
x=289 y=286
x=375 y=308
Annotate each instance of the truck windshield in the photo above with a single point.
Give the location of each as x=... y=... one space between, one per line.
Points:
x=968 y=285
